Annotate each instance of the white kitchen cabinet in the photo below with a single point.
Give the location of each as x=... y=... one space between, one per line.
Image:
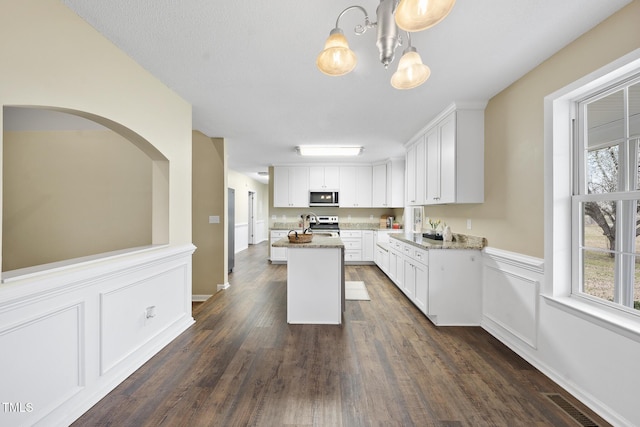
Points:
x=382 y=258
x=455 y=291
x=388 y=184
x=291 y=186
x=368 y=245
x=324 y=178
x=455 y=159
x=445 y=284
x=355 y=186
x=278 y=255
x=352 y=240
x=416 y=178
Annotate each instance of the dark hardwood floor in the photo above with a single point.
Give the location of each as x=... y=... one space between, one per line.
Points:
x=387 y=365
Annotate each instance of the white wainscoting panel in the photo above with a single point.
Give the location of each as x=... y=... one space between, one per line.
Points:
x=132 y=314
x=70 y=335
x=511 y=287
x=42 y=359
x=242 y=237
x=261 y=232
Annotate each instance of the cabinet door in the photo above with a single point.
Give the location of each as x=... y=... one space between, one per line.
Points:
x=421 y=287
x=348 y=187
x=299 y=187
x=395 y=183
x=410 y=165
x=368 y=245
x=278 y=254
x=281 y=187
x=316 y=178
x=332 y=177
x=421 y=177
x=433 y=167
x=448 y=166
x=364 y=186
x=380 y=196
x=392 y=270
x=409 y=279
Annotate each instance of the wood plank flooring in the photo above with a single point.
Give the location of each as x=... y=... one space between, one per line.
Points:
x=241 y=364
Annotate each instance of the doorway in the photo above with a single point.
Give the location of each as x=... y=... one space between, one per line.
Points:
x=252 y=218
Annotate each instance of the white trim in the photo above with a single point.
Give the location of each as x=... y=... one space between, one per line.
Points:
x=608 y=319
x=223 y=286
x=533 y=264
x=200 y=298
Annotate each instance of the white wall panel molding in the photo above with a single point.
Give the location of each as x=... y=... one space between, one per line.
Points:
x=510 y=301
x=536 y=265
x=77 y=331
x=242 y=237
x=511 y=289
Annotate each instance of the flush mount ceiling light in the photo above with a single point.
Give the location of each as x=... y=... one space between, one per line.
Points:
x=338 y=59
x=329 y=150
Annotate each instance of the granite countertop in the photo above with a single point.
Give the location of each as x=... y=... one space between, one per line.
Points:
x=342 y=225
x=460 y=241
x=319 y=241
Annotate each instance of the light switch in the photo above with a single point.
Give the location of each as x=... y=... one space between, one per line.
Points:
x=214 y=219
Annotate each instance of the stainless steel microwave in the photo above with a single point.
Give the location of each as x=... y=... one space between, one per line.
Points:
x=323 y=198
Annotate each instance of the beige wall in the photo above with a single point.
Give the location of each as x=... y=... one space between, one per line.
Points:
x=52 y=58
x=209 y=198
x=69 y=194
x=512 y=216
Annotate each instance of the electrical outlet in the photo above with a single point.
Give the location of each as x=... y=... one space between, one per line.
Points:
x=468 y=224
x=370 y=216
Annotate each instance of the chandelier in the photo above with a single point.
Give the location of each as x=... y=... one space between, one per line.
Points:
x=409 y=15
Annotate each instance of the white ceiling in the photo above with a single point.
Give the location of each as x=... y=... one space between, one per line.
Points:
x=248 y=67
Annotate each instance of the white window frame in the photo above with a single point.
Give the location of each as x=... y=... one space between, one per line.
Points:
x=625 y=197
x=560 y=178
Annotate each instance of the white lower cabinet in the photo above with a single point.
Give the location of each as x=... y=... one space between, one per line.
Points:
x=278 y=255
x=359 y=245
x=382 y=259
x=445 y=284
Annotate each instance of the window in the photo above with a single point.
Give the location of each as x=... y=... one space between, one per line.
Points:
x=606 y=195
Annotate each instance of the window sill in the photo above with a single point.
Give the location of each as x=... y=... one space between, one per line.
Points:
x=619 y=323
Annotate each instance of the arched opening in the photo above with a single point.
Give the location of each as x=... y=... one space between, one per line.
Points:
x=77 y=185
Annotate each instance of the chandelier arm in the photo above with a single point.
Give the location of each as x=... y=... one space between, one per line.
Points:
x=359 y=29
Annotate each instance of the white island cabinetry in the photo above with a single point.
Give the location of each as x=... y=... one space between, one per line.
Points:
x=315 y=280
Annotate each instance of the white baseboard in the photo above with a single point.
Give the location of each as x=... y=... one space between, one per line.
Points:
x=200 y=298
x=223 y=286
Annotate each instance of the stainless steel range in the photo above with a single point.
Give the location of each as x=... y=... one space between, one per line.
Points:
x=325 y=223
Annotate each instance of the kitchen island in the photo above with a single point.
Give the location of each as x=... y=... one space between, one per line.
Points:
x=315 y=280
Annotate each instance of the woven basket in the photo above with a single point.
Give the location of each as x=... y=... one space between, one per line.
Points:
x=295 y=237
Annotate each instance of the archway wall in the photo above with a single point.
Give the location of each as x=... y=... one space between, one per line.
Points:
x=53 y=59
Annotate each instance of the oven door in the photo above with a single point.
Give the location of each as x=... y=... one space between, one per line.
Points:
x=323 y=198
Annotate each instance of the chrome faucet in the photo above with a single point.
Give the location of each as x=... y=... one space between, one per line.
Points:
x=306 y=220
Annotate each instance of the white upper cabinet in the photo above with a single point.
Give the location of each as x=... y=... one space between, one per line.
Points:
x=355 y=186
x=416 y=178
x=454 y=160
x=324 y=178
x=388 y=184
x=291 y=186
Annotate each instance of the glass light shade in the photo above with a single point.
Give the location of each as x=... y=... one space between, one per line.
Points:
x=336 y=59
x=418 y=15
x=411 y=71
